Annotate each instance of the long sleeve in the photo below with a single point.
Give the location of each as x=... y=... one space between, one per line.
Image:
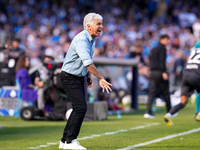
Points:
x=23 y=78
x=162 y=59
x=27 y=94
x=157 y=58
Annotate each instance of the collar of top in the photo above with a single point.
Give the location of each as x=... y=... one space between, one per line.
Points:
x=89 y=36
x=161 y=44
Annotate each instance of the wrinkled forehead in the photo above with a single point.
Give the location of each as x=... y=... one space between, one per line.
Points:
x=97 y=21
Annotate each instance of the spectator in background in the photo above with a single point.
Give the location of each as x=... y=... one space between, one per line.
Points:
x=158 y=75
x=13 y=56
x=187 y=18
x=178 y=67
x=4 y=34
x=40 y=79
x=43 y=71
x=137 y=53
x=143 y=70
x=196 y=28
x=28 y=89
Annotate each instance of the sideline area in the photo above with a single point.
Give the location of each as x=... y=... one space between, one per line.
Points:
x=161 y=139
x=131 y=129
x=107 y=133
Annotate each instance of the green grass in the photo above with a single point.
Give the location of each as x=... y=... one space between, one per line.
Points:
x=19 y=134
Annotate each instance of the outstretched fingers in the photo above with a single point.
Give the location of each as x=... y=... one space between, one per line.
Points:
x=107 y=88
x=105 y=85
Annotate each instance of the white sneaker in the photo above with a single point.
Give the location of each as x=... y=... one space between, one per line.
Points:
x=160 y=102
x=174 y=115
x=149 y=116
x=61 y=145
x=74 y=145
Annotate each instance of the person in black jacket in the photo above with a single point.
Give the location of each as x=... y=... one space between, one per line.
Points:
x=158 y=75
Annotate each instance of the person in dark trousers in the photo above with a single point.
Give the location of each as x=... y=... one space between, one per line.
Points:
x=78 y=64
x=190 y=82
x=158 y=75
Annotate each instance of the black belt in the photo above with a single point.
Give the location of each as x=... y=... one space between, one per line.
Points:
x=68 y=74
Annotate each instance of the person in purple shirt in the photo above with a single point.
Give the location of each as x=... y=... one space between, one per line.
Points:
x=28 y=92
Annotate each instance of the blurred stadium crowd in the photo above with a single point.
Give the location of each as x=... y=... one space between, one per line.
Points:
x=46 y=27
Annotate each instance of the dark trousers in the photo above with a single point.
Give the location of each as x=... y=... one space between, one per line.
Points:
x=156 y=81
x=74 y=88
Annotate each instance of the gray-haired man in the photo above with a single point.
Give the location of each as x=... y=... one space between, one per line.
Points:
x=78 y=64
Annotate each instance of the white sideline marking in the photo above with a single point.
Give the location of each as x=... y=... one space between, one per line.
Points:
x=106 y=133
x=161 y=139
x=119 y=131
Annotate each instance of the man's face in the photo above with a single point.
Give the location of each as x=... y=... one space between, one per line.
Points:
x=96 y=28
x=15 y=44
x=165 y=41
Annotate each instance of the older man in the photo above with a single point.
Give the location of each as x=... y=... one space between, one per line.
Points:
x=78 y=64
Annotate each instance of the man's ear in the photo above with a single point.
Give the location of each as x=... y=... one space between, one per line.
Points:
x=88 y=26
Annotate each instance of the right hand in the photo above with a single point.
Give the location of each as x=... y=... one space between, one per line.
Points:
x=165 y=76
x=105 y=85
x=89 y=82
x=40 y=84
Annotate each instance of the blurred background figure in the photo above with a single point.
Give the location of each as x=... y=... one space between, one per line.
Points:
x=189 y=83
x=39 y=78
x=13 y=55
x=196 y=28
x=29 y=91
x=143 y=69
x=158 y=75
x=179 y=67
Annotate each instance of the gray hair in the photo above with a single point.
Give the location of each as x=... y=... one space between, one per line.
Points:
x=89 y=19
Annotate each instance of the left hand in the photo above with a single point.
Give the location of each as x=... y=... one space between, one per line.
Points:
x=89 y=82
x=105 y=85
x=40 y=84
x=165 y=76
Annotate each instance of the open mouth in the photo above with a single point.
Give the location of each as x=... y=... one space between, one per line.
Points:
x=99 y=31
